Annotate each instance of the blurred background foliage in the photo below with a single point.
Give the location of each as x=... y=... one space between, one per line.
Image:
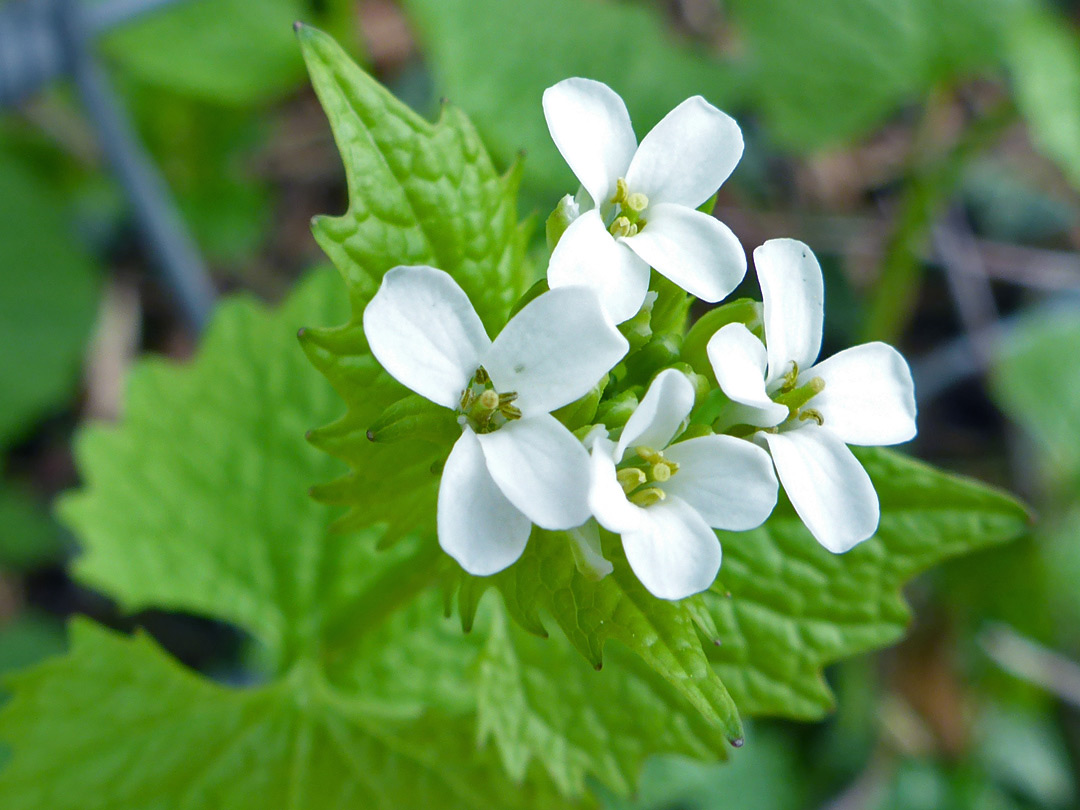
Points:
x=928 y=150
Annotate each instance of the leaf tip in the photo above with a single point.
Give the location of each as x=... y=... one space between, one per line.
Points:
x=297 y=26
x=737 y=742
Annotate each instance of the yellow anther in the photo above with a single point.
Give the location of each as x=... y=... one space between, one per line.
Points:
x=622 y=227
x=481 y=376
x=661 y=472
x=647 y=497
x=637 y=202
x=620 y=191
x=811 y=413
x=649 y=455
x=630 y=479
x=791 y=377
x=511 y=412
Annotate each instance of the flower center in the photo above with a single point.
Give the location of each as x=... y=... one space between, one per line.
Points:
x=483 y=408
x=796 y=397
x=628 y=214
x=640 y=474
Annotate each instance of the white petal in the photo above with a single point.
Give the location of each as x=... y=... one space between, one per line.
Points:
x=555 y=350
x=660 y=413
x=674 y=554
x=739 y=362
x=607 y=501
x=542 y=469
x=424 y=331
x=729 y=481
x=591 y=128
x=869 y=398
x=827 y=486
x=794 y=296
x=478 y=526
x=695 y=250
x=687 y=156
x=590 y=554
x=588 y=255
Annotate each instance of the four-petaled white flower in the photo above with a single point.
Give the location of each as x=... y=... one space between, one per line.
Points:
x=861 y=396
x=514 y=463
x=663 y=497
x=644 y=198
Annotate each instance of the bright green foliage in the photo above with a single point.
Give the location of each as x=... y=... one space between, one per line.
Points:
x=1043 y=56
x=218 y=50
x=116 y=723
x=197 y=503
x=618 y=608
x=833 y=69
x=48 y=302
x=496 y=66
x=218 y=428
x=539 y=700
x=419 y=193
x=784 y=607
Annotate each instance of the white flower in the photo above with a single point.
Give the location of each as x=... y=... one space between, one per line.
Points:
x=862 y=396
x=663 y=497
x=514 y=464
x=644 y=197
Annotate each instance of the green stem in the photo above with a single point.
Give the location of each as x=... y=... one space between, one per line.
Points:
x=926 y=192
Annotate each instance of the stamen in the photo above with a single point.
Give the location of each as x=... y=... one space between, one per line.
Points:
x=648 y=496
x=795 y=398
x=661 y=472
x=620 y=191
x=630 y=479
x=791 y=378
x=637 y=202
x=811 y=413
x=511 y=412
x=649 y=455
x=622 y=227
x=481 y=376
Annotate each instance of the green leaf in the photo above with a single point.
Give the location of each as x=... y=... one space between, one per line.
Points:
x=419 y=193
x=117 y=723
x=484 y=56
x=618 y=608
x=1043 y=56
x=785 y=607
x=196 y=503
x=1036 y=381
x=829 y=71
x=214 y=450
x=539 y=701
x=218 y=50
x=48 y=304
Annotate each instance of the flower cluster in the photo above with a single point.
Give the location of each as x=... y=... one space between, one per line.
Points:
x=664 y=456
